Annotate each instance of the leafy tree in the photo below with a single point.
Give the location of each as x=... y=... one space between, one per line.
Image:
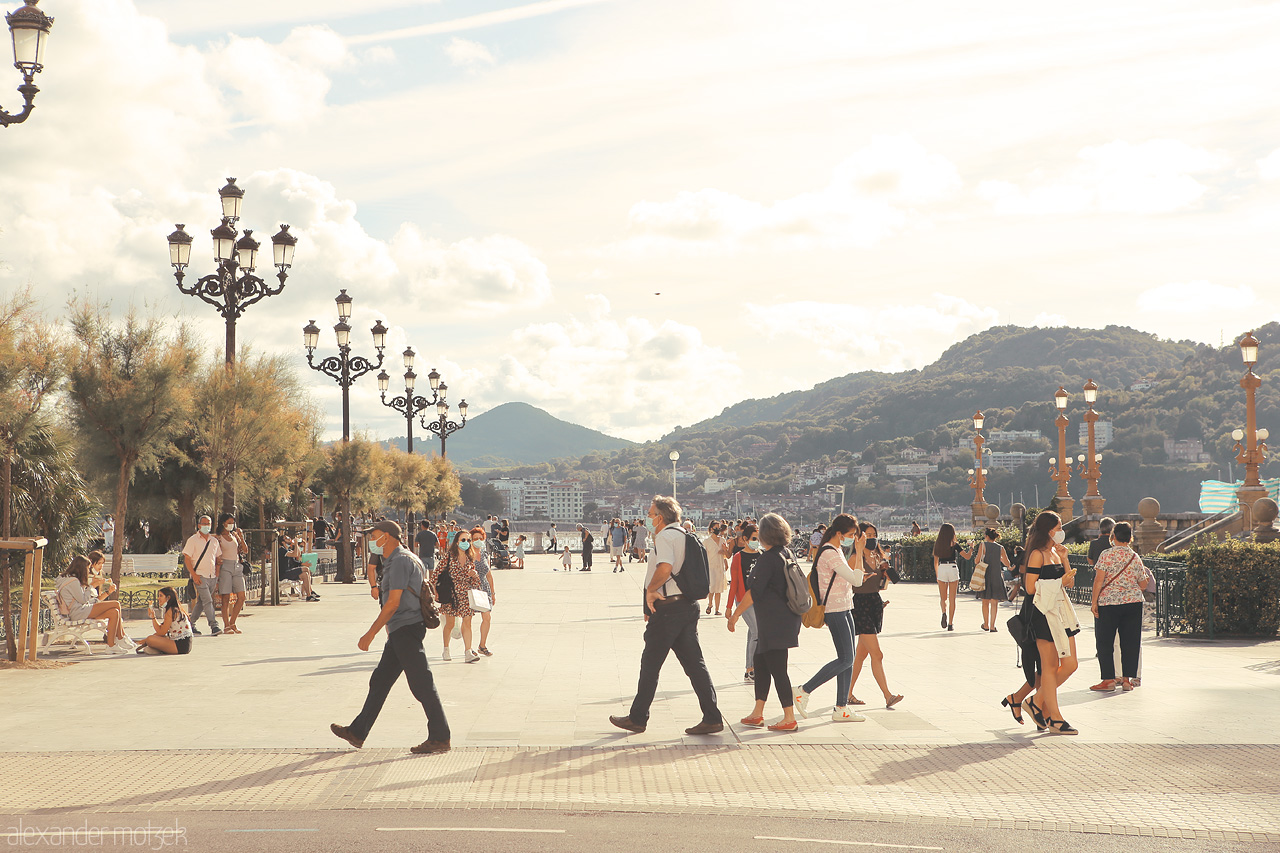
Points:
x=130 y=392
x=406 y=483
x=353 y=471
x=443 y=490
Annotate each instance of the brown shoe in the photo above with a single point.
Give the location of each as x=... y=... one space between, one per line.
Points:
x=705 y=729
x=431 y=747
x=347 y=735
x=625 y=723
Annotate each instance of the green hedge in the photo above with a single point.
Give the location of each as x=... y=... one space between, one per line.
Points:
x=1245 y=579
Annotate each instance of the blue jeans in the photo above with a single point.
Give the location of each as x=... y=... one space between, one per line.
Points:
x=841 y=626
x=749 y=616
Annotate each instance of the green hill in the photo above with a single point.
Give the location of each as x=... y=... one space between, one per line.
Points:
x=515 y=434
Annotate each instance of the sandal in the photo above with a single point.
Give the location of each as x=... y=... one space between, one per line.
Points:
x=754 y=722
x=1029 y=705
x=854 y=700
x=1062 y=727
x=893 y=700
x=1014 y=708
x=708 y=609
x=482 y=650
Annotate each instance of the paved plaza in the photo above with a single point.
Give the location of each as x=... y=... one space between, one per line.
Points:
x=242 y=725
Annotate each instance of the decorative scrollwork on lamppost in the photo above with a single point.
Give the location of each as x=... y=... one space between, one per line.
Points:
x=344 y=368
x=441 y=425
x=234 y=287
x=30 y=30
x=1060 y=466
x=1251 y=442
x=409 y=405
x=978 y=474
x=1090 y=464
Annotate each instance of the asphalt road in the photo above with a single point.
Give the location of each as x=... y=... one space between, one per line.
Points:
x=492 y=831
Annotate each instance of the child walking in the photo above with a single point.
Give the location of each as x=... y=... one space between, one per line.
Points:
x=566 y=559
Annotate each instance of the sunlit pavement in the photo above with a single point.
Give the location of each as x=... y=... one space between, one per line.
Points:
x=1192 y=753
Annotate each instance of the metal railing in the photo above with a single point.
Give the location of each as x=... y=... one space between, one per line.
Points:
x=1205 y=526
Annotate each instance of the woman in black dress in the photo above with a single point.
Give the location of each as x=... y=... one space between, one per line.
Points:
x=1047 y=563
x=993 y=554
x=779 y=628
x=868 y=618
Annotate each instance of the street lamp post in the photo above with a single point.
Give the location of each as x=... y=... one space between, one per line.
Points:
x=29 y=28
x=234 y=287
x=1091 y=463
x=441 y=425
x=1061 y=465
x=674 y=456
x=344 y=368
x=409 y=405
x=978 y=474
x=1251 y=442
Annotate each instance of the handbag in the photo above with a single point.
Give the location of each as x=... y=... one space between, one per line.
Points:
x=478 y=600
x=978 y=582
x=1018 y=630
x=444 y=586
x=815 y=617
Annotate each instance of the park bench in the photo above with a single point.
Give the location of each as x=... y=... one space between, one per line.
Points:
x=151 y=564
x=62 y=629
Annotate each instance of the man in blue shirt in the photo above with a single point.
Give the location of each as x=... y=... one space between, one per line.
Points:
x=398 y=587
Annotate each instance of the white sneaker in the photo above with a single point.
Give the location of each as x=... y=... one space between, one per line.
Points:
x=119 y=649
x=128 y=643
x=844 y=715
x=802 y=703
x=472 y=657
x=457 y=632
x=445 y=654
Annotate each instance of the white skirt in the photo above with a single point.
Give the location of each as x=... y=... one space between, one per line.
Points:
x=948 y=573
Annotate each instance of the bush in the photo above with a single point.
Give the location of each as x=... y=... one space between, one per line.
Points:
x=1246 y=588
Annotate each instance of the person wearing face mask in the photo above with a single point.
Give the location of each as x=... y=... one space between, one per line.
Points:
x=399 y=586
x=201 y=555
x=1049 y=618
x=1118 y=582
x=836 y=580
x=868 y=617
x=460 y=564
x=746 y=552
x=230 y=571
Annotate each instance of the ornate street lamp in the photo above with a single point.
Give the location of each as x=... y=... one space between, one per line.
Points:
x=344 y=368
x=1090 y=465
x=235 y=286
x=674 y=456
x=441 y=425
x=977 y=474
x=409 y=405
x=30 y=30
x=1251 y=442
x=1061 y=464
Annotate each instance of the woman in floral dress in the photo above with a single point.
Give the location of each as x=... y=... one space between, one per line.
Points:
x=459 y=563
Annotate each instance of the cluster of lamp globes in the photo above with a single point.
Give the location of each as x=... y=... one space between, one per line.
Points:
x=438 y=388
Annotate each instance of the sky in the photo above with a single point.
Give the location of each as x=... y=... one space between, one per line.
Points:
x=633 y=213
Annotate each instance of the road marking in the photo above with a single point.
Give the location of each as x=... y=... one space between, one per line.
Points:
x=849 y=843
x=272 y=830
x=465 y=829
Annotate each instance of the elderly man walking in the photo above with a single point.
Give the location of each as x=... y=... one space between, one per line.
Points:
x=399 y=585
x=672 y=619
x=200 y=555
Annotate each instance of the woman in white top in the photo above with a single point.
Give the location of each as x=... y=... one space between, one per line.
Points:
x=836 y=580
x=78 y=602
x=716 y=547
x=172 y=632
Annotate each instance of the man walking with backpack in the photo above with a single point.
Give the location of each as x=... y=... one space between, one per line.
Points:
x=675 y=582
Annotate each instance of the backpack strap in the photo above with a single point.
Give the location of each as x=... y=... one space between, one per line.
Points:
x=831 y=582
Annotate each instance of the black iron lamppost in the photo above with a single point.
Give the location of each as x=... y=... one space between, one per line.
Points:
x=30 y=30
x=441 y=425
x=1251 y=442
x=409 y=405
x=234 y=287
x=344 y=368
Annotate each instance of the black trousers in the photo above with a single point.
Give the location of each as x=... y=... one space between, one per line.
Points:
x=403 y=653
x=674 y=628
x=772 y=665
x=1127 y=620
x=586 y=558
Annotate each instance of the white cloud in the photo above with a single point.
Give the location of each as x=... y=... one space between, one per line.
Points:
x=1195 y=297
x=859 y=337
x=280 y=84
x=624 y=375
x=1118 y=177
x=1269 y=166
x=468 y=54
x=870 y=197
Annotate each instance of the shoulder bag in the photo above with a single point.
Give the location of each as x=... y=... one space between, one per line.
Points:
x=1113 y=578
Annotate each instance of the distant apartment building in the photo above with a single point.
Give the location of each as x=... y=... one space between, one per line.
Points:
x=539 y=498
x=715 y=485
x=1011 y=460
x=1104 y=432
x=1007 y=436
x=1187 y=450
x=914 y=454
x=914 y=469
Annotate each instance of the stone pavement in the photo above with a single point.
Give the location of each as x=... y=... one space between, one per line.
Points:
x=1194 y=752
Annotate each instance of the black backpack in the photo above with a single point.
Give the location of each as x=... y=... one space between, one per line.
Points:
x=694 y=579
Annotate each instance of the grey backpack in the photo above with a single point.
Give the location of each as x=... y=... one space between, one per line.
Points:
x=799 y=597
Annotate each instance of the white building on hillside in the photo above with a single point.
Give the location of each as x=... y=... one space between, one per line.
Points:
x=715 y=485
x=540 y=498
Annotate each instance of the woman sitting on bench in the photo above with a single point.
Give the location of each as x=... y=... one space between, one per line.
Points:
x=79 y=603
x=172 y=633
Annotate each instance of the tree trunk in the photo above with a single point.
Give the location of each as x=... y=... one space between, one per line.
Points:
x=117 y=545
x=6 y=527
x=186 y=514
x=346 y=571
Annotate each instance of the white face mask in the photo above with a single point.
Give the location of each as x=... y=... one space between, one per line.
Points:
x=205 y=528
x=1059 y=537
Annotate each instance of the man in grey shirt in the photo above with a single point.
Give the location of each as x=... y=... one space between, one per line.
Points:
x=398 y=587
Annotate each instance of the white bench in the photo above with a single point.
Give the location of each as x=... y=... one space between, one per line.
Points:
x=150 y=564
x=62 y=629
